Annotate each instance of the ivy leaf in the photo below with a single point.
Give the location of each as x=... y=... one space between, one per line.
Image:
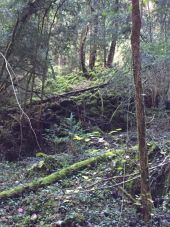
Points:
x=40 y=154
x=86 y=177
x=76 y=137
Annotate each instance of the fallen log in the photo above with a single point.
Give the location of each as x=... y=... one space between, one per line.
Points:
x=54 y=177
x=69 y=94
x=55 y=98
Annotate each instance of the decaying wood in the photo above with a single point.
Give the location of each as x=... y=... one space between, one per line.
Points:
x=71 y=93
x=57 y=98
x=52 y=178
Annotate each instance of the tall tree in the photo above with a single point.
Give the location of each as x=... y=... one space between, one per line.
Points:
x=140 y=115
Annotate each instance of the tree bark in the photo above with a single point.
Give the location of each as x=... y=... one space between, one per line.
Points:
x=93 y=39
x=114 y=39
x=140 y=115
x=82 y=51
x=111 y=53
x=104 y=41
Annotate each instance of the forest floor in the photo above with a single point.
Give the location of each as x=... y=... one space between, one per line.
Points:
x=88 y=198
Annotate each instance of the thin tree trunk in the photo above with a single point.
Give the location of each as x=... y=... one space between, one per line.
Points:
x=104 y=41
x=27 y=88
x=140 y=115
x=93 y=39
x=114 y=39
x=111 y=53
x=82 y=51
x=149 y=22
x=32 y=87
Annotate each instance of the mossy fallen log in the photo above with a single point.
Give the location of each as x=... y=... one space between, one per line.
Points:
x=44 y=181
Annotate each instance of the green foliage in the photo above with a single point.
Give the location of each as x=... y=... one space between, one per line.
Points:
x=46 y=165
x=75 y=81
x=147 y=1
x=64 y=134
x=89 y=141
x=8 y=16
x=52 y=57
x=158 y=49
x=71 y=126
x=63 y=83
x=40 y=154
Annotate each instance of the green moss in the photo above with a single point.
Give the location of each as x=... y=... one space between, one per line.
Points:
x=57 y=175
x=44 y=167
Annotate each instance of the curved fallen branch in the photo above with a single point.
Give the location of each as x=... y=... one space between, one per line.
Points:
x=44 y=181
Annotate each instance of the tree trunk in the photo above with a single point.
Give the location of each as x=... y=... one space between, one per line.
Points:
x=104 y=41
x=111 y=53
x=114 y=39
x=82 y=51
x=149 y=22
x=93 y=40
x=32 y=86
x=140 y=115
x=27 y=88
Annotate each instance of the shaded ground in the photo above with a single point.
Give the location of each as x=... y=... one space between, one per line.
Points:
x=86 y=199
x=89 y=198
